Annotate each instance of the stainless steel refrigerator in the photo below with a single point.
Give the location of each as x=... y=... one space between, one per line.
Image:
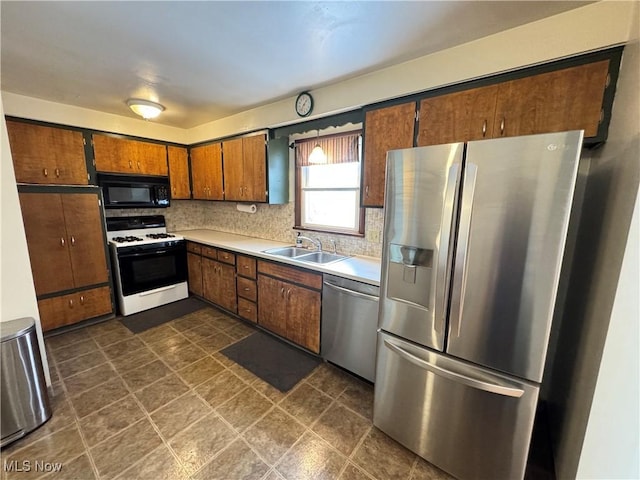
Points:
x=474 y=237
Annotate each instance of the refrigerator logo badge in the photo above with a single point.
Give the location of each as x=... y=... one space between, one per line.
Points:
x=552 y=147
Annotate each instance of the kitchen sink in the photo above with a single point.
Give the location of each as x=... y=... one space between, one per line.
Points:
x=304 y=255
x=290 y=252
x=321 y=257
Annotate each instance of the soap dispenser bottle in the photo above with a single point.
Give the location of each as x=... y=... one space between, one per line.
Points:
x=298 y=241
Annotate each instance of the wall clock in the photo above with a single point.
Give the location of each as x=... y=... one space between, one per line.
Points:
x=304 y=104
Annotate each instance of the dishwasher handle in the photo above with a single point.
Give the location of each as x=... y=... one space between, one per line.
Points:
x=353 y=293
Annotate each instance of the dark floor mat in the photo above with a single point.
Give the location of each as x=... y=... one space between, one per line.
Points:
x=139 y=322
x=273 y=360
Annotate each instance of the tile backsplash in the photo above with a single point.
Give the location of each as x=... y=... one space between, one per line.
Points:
x=272 y=222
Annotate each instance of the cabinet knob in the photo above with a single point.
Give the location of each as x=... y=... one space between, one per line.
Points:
x=502 y=126
x=288 y=293
x=73 y=241
x=246 y=289
x=57 y=173
x=366 y=191
x=240 y=191
x=130 y=164
x=138 y=165
x=81 y=299
x=45 y=172
x=71 y=303
x=246 y=267
x=61 y=241
x=282 y=292
x=484 y=128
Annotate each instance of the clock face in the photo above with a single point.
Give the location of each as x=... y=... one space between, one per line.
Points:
x=304 y=104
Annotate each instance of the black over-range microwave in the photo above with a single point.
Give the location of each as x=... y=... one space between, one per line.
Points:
x=134 y=191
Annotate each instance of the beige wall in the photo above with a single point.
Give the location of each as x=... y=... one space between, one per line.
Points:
x=17 y=293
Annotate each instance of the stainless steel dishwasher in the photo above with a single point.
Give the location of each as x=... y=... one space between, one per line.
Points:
x=349 y=324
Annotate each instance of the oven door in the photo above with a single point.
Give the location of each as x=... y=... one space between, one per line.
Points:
x=147 y=267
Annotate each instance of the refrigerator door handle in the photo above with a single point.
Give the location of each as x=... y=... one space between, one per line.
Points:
x=444 y=249
x=460 y=268
x=504 y=390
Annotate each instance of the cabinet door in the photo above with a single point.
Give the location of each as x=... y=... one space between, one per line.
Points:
x=47 y=155
x=232 y=151
x=113 y=154
x=255 y=168
x=210 y=279
x=46 y=234
x=179 y=173
x=75 y=307
x=121 y=155
x=85 y=238
x=303 y=316
x=271 y=305
x=194 y=264
x=384 y=129
x=567 y=99
x=457 y=117
x=150 y=158
x=206 y=172
x=227 y=297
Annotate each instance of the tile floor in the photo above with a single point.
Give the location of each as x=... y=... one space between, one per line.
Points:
x=166 y=404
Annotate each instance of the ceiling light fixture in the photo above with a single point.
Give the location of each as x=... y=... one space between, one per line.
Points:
x=317 y=155
x=145 y=108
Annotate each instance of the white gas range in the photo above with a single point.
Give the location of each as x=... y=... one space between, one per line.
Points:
x=149 y=264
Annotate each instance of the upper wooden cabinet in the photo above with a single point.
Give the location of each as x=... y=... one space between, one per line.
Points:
x=457 y=117
x=120 y=155
x=65 y=238
x=47 y=155
x=244 y=164
x=206 y=172
x=385 y=129
x=567 y=99
x=179 y=172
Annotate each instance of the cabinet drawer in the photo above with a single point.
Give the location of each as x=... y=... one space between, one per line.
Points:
x=226 y=257
x=194 y=248
x=209 y=252
x=248 y=310
x=72 y=308
x=295 y=275
x=247 y=289
x=246 y=266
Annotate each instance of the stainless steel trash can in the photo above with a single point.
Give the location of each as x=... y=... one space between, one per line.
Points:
x=25 y=402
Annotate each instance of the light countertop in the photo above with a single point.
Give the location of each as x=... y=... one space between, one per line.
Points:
x=359 y=268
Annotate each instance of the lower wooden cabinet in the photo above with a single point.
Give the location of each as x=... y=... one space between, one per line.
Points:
x=194 y=264
x=219 y=284
x=72 y=308
x=290 y=309
x=248 y=310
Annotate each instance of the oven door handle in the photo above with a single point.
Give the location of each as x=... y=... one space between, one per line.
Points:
x=143 y=254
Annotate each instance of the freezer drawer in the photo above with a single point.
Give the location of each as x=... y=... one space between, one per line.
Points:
x=466 y=420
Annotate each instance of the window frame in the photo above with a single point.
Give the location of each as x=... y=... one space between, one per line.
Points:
x=298 y=193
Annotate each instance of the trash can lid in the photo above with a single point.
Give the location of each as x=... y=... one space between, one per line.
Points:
x=15 y=328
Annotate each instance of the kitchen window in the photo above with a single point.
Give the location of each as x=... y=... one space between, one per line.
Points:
x=328 y=193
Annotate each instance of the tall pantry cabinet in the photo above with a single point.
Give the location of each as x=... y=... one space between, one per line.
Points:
x=64 y=224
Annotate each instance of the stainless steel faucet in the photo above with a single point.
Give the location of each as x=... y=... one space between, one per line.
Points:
x=317 y=243
x=333 y=244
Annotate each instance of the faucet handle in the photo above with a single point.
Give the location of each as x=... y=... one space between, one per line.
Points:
x=333 y=243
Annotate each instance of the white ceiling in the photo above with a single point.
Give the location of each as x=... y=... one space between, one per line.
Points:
x=207 y=60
